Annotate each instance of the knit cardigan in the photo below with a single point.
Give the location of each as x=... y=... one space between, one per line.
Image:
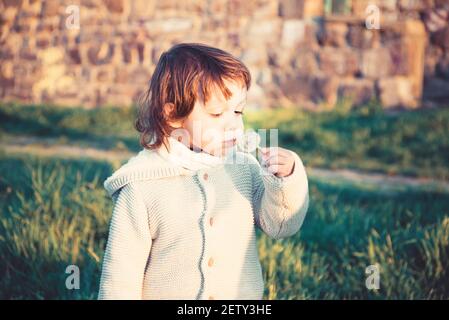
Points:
x=179 y=232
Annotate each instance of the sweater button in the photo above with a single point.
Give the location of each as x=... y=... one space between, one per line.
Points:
x=205 y=176
x=211 y=221
x=211 y=298
x=210 y=263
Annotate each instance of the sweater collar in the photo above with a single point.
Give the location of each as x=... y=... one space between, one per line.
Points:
x=181 y=155
x=163 y=163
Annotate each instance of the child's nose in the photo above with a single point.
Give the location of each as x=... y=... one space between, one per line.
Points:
x=234 y=122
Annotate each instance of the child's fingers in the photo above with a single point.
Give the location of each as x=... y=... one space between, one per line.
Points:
x=278 y=155
x=267 y=153
x=268 y=150
x=276 y=160
x=274 y=168
x=275 y=154
x=273 y=151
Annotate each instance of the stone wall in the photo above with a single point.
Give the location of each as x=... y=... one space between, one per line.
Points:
x=299 y=53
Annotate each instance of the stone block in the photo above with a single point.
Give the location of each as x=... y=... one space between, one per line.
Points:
x=320 y=88
x=359 y=91
x=100 y=54
x=436 y=89
x=293 y=32
x=334 y=34
x=396 y=92
x=336 y=61
x=303 y=9
x=376 y=63
x=114 y=6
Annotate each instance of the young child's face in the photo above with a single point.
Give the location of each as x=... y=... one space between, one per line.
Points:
x=214 y=126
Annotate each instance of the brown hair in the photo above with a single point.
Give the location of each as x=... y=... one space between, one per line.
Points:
x=183 y=72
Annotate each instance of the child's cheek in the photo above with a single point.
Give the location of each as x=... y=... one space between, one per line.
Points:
x=210 y=140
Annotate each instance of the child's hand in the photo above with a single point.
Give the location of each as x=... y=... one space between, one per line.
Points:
x=278 y=161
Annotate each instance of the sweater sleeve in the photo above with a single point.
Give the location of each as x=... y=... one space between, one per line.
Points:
x=127 y=249
x=280 y=203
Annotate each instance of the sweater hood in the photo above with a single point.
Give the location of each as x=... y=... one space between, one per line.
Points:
x=147 y=164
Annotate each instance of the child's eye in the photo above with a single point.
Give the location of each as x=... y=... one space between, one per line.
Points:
x=216 y=115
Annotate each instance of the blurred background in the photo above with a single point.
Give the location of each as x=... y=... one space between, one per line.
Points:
x=358 y=88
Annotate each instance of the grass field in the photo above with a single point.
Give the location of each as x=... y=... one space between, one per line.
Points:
x=55 y=212
x=414 y=143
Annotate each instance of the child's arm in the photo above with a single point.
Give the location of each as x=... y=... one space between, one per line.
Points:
x=280 y=203
x=127 y=249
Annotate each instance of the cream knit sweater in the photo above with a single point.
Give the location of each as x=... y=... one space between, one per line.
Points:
x=187 y=231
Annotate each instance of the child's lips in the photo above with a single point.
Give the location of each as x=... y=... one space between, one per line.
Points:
x=230 y=143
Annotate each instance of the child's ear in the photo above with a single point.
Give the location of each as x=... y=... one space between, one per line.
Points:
x=168 y=110
x=168 y=114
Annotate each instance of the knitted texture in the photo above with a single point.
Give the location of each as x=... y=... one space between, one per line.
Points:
x=190 y=234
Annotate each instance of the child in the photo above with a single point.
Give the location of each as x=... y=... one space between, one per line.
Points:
x=183 y=222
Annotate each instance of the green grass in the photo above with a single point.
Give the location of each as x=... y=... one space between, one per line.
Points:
x=56 y=213
x=105 y=128
x=413 y=143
